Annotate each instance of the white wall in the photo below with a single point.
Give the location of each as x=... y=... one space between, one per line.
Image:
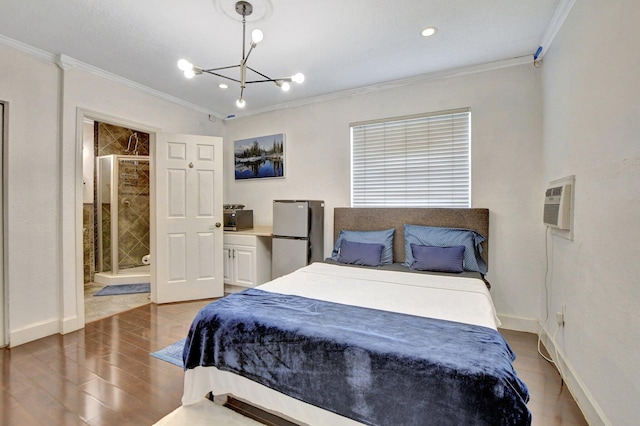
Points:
x=506 y=166
x=31 y=90
x=591 y=129
x=44 y=191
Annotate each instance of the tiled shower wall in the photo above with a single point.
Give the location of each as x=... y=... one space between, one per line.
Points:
x=87 y=242
x=133 y=213
x=133 y=217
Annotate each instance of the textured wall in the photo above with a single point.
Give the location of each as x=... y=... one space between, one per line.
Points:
x=591 y=128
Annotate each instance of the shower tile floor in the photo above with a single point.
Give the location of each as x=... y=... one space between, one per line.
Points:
x=96 y=308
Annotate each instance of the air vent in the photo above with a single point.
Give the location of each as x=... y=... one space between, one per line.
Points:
x=558 y=204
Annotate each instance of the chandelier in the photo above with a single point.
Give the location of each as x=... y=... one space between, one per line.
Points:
x=245 y=9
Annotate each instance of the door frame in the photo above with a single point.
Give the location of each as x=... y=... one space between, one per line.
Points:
x=86 y=114
x=4 y=289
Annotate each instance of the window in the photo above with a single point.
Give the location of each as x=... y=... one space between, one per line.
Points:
x=417 y=161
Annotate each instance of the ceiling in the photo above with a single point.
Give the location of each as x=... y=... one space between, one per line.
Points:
x=339 y=45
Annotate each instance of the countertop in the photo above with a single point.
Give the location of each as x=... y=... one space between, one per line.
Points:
x=258 y=231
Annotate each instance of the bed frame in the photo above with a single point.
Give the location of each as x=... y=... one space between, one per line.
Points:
x=376 y=219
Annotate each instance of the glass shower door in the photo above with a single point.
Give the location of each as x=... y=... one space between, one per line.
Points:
x=133 y=211
x=122 y=212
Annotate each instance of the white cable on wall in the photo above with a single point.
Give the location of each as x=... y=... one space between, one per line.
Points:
x=546 y=294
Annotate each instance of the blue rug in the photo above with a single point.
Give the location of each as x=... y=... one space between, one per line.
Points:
x=114 y=290
x=172 y=353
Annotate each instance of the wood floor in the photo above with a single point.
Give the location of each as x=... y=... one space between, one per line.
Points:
x=551 y=403
x=103 y=374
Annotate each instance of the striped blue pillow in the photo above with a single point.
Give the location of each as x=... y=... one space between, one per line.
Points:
x=446 y=237
x=365 y=254
x=384 y=237
x=437 y=259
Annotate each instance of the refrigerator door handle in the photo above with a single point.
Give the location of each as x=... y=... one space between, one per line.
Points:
x=286 y=237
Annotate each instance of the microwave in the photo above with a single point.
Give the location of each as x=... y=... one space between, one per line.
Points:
x=237 y=220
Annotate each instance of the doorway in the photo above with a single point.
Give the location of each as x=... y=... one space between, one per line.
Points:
x=116 y=217
x=3 y=334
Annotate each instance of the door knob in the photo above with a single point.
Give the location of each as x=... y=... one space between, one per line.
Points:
x=191 y=165
x=218 y=224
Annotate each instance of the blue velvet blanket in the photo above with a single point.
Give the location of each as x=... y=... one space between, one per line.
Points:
x=377 y=367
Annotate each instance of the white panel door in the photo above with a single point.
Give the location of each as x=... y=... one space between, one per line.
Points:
x=188 y=218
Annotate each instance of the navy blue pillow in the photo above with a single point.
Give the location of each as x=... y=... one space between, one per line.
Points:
x=437 y=259
x=367 y=254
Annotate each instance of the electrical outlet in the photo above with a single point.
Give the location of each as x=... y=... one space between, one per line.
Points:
x=561 y=316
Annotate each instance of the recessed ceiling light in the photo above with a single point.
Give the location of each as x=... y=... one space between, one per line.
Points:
x=427 y=32
x=223 y=86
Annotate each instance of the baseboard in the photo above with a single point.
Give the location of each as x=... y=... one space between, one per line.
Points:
x=590 y=408
x=527 y=325
x=33 y=332
x=68 y=325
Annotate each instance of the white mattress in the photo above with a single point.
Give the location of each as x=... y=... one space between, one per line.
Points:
x=437 y=296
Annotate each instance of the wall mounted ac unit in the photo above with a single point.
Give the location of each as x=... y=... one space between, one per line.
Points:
x=558 y=204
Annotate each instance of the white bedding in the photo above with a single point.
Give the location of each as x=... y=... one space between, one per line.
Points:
x=437 y=296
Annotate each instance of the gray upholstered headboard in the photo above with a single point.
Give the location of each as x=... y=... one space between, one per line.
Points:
x=375 y=219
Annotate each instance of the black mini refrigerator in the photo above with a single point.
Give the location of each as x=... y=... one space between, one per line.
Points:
x=298 y=235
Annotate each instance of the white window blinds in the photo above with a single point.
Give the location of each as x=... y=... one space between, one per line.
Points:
x=417 y=161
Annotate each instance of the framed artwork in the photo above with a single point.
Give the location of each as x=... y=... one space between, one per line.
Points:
x=259 y=158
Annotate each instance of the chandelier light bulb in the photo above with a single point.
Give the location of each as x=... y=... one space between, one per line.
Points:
x=189 y=73
x=184 y=65
x=256 y=36
x=285 y=86
x=297 y=78
x=240 y=103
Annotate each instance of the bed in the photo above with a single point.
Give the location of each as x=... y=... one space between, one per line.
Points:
x=341 y=342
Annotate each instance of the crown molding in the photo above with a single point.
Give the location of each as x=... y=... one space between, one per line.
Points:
x=67 y=62
x=32 y=51
x=411 y=81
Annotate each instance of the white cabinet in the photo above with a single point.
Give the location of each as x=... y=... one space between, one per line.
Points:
x=247 y=260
